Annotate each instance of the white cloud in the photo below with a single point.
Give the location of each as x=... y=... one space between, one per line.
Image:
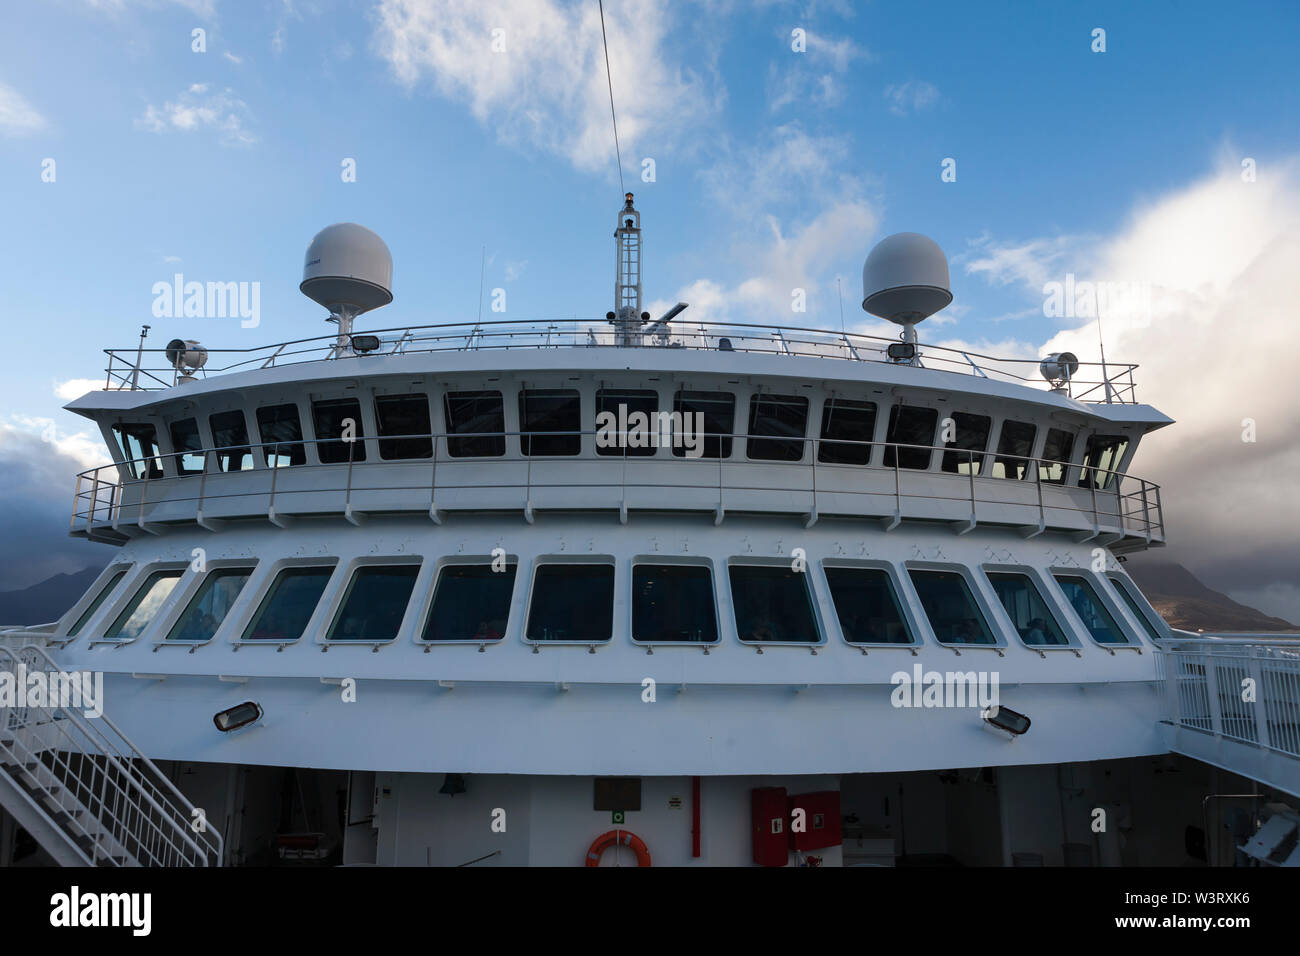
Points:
x=811 y=77
x=911 y=97
x=200 y=107
x=232 y=57
x=17 y=116
x=203 y=8
x=85 y=448
x=74 y=388
x=513 y=270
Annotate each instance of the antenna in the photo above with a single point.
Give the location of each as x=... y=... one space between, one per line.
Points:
x=349 y=270
x=139 y=357
x=905 y=280
x=1101 y=344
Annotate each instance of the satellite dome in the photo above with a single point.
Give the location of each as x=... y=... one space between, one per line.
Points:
x=348 y=268
x=905 y=278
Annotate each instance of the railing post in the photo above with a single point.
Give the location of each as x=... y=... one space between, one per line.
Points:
x=1212 y=695
x=1262 y=702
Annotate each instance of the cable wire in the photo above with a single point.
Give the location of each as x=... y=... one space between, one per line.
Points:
x=618 y=154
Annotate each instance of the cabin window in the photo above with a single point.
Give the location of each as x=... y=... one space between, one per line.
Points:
x=550 y=420
x=572 y=602
x=188 y=446
x=772 y=604
x=143 y=608
x=950 y=607
x=289 y=604
x=401 y=421
x=1087 y=604
x=867 y=606
x=910 y=425
x=375 y=603
x=471 y=603
x=209 y=607
x=776 y=427
x=281 y=433
x=627 y=405
x=1139 y=606
x=1024 y=604
x=230 y=439
x=719 y=417
x=1057 y=448
x=673 y=602
x=1014 y=445
x=1101 y=458
x=845 y=421
x=480 y=419
x=139 y=444
x=338 y=418
x=95 y=605
x=970 y=439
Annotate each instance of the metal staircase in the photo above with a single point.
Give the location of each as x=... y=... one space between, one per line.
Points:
x=82 y=790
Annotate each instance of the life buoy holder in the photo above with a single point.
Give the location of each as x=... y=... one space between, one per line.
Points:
x=618 y=838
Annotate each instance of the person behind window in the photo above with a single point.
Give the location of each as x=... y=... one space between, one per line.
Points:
x=1037 y=632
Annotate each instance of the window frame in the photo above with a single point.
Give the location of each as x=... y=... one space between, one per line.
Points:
x=428 y=587
x=900 y=450
x=1132 y=641
x=544 y=559
x=150 y=466
x=906 y=611
x=261 y=586
x=869 y=447
x=99 y=591
x=138 y=581
x=623 y=450
x=352 y=454
x=982 y=601
x=1021 y=461
x=751 y=439
x=378 y=399
x=451 y=437
x=188 y=589
x=266 y=449
x=338 y=598
x=529 y=439
x=1047 y=594
x=1124 y=583
x=726 y=440
x=976 y=456
x=178 y=454
x=664 y=560
x=212 y=459
x=814 y=600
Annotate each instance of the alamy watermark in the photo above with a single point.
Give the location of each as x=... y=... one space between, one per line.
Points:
x=923 y=688
x=74 y=690
x=208 y=300
x=1085 y=299
x=624 y=429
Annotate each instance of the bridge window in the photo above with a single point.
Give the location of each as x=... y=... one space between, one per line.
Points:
x=867 y=606
x=776 y=427
x=481 y=419
x=1146 y=615
x=550 y=419
x=1087 y=604
x=673 y=602
x=143 y=608
x=281 y=436
x=772 y=604
x=847 y=421
x=230 y=438
x=209 y=607
x=1101 y=458
x=336 y=418
x=1057 y=448
x=1014 y=446
x=1024 y=604
x=95 y=605
x=471 y=603
x=623 y=404
x=188 y=446
x=139 y=444
x=572 y=602
x=289 y=604
x=401 y=419
x=950 y=607
x=910 y=425
x=375 y=603
x=970 y=435
x=719 y=416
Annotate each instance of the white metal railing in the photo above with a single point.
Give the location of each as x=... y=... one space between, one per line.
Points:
x=137 y=368
x=104 y=795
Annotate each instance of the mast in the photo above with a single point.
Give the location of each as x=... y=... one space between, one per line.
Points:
x=627 y=317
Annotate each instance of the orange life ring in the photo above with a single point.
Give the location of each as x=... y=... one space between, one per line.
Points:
x=618 y=838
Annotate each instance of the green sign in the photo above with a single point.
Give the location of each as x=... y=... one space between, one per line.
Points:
x=616 y=817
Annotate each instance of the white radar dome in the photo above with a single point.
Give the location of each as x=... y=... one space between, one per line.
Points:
x=905 y=278
x=348 y=268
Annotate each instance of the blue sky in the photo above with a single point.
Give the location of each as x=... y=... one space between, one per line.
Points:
x=774 y=168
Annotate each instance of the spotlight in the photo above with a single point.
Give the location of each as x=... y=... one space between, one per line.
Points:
x=241 y=715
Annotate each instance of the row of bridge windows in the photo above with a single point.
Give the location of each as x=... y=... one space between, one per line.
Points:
x=550 y=421
x=671 y=603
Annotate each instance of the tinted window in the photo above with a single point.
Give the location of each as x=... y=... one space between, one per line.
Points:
x=403 y=417
x=910 y=425
x=375 y=603
x=772 y=604
x=673 y=602
x=1029 y=613
x=1142 y=614
x=572 y=602
x=867 y=606
x=1015 y=443
x=470 y=603
x=950 y=607
x=481 y=417
x=719 y=417
x=281 y=433
x=1083 y=598
x=628 y=406
x=187 y=444
x=103 y=594
x=783 y=418
x=143 y=608
x=288 y=605
x=230 y=438
x=333 y=418
x=1103 y=453
x=848 y=422
x=550 y=419
x=139 y=444
x=970 y=435
x=209 y=607
x=1057 y=448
